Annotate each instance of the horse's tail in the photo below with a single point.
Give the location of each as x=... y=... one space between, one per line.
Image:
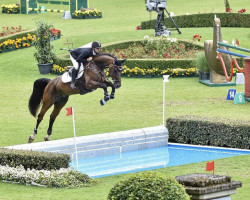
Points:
x=37 y=94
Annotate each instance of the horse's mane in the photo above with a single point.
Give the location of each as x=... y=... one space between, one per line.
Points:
x=106 y=54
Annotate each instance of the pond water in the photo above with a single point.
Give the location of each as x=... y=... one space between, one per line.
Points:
x=153 y=158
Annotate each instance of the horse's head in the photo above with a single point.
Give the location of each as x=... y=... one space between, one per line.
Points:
x=115 y=72
x=106 y=60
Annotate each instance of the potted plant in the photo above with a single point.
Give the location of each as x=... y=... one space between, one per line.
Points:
x=44 y=50
x=202 y=66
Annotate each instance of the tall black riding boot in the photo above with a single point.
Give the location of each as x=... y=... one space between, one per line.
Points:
x=72 y=85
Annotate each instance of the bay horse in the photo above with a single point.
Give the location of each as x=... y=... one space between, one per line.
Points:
x=55 y=92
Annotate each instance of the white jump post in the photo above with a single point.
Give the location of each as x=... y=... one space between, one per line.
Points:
x=71 y=112
x=165 y=80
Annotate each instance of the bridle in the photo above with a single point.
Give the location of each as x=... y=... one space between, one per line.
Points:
x=118 y=69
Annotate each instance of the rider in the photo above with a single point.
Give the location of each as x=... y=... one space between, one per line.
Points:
x=81 y=56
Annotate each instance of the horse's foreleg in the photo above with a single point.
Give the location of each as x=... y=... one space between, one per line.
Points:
x=110 y=84
x=90 y=84
x=58 y=105
x=106 y=96
x=112 y=95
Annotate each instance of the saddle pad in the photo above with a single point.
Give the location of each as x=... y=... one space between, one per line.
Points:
x=66 y=78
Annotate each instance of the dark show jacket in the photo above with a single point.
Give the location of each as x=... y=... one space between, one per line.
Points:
x=81 y=54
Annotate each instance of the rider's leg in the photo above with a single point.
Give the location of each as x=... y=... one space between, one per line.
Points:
x=74 y=72
x=73 y=78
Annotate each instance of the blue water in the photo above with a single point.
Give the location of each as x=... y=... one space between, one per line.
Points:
x=141 y=160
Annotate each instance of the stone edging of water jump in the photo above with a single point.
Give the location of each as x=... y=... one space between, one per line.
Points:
x=105 y=143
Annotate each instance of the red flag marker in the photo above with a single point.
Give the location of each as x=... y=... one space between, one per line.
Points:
x=237 y=42
x=69 y=111
x=210 y=166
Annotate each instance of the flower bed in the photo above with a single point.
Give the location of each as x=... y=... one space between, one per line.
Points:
x=19 y=40
x=87 y=14
x=58 y=70
x=55 y=34
x=45 y=178
x=11 y=8
x=13 y=44
x=146 y=67
x=140 y=72
x=10 y=30
x=159 y=48
x=156 y=72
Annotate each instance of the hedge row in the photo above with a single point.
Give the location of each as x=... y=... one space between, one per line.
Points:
x=18 y=35
x=33 y=159
x=209 y=131
x=160 y=63
x=203 y=20
x=64 y=60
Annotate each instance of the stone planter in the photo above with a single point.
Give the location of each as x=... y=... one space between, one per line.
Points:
x=45 y=68
x=204 y=75
x=91 y=17
x=8 y=50
x=208 y=186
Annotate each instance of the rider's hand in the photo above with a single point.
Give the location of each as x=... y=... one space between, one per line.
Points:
x=89 y=59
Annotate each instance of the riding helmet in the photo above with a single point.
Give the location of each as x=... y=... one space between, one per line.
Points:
x=96 y=44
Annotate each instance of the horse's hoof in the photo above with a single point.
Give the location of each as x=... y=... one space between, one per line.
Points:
x=106 y=98
x=30 y=139
x=46 y=139
x=102 y=102
x=112 y=96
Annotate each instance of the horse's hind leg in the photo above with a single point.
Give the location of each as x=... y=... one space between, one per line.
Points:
x=45 y=107
x=58 y=105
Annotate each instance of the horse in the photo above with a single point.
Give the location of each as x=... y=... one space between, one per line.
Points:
x=54 y=92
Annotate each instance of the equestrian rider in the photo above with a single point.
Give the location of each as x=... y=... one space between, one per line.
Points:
x=81 y=56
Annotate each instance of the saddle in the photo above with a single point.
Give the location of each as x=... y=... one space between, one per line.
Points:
x=66 y=77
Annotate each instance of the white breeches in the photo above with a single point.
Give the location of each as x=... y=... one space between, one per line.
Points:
x=75 y=63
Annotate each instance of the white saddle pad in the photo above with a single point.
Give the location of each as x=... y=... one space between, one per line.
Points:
x=66 y=78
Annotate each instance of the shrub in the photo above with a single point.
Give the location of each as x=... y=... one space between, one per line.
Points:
x=201 y=62
x=148 y=186
x=33 y=159
x=160 y=63
x=209 y=131
x=44 y=50
x=203 y=20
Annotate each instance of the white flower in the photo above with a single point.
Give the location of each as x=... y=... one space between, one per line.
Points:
x=151 y=40
x=173 y=40
x=171 y=14
x=146 y=37
x=37 y=177
x=165 y=36
x=187 y=14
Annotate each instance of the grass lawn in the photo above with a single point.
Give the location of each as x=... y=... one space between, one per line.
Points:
x=238 y=168
x=138 y=103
